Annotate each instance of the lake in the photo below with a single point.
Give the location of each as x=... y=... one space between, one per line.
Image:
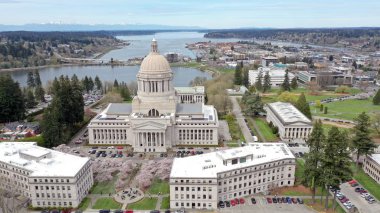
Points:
x=167 y=42
x=182 y=76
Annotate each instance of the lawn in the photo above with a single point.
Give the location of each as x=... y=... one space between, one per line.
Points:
x=327 y=127
x=234 y=128
x=232 y=144
x=84 y=204
x=165 y=204
x=159 y=186
x=367 y=182
x=144 y=204
x=39 y=139
x=348 y=109
x=104 y=187
x=300 y=168
x=265 y=130
x=106 y=203
x=250 y=124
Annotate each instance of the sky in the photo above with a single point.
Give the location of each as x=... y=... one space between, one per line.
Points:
x=203 y=13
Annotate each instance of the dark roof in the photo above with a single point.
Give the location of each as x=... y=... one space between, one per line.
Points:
x=28 y=125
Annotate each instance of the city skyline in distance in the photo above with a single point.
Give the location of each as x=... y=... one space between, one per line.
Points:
x=194 y=14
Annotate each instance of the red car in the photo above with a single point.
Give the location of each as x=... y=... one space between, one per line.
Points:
x=269 y=200
x=119 y=147
x=352 y=182
x=242 y=201
x=233 y=203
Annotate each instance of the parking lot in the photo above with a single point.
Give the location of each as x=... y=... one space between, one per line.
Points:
x=359 y=201
x=263 y=206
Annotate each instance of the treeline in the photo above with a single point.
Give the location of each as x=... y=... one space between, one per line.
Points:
x=65 y=111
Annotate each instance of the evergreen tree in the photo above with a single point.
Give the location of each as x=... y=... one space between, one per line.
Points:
x=259 y=82
x=325 y=110
x=30 y=101
x=254 y=104
x=246 y=77
x=267 y=82
x=98 y=83
x=294 y=83
x=86 y=85
x=361 y=142
x=39 y=91
x=77 y=100
x=238 y=75
x=91 y=84
x=12 y=106
x=313 y=172
x=286 y=85
x=52 y=128
x=376 y=98
x=115 y=84
x=303 y=106
x=335 y=160
x=124 y=92
x=30 y=80
x=37 y=78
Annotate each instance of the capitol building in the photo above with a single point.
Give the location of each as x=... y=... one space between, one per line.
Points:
x=160 y=116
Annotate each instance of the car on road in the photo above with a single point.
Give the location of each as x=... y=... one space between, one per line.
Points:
x=227 y=204
x=300 y=200
x=274 y=200
x=294 y=200
x=105 y=211
x=241 y=201
x=253 y=200
x=104 y=155
x=79 y=141
x=233 y=203
x=269 y=200
x=221 y=204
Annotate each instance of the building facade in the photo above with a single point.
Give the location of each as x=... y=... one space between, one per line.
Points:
x=201 y=181
x=291 y=123
x=325 y=78
x=371 y=166
x=49 y=178
x=277 y=76
x=160 y=116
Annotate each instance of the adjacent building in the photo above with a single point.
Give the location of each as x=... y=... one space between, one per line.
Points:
x=49 y=178
x=201 y=181
x=291 y=123
x=277 y=76
x=160 y=116
x=371 y=166
x=325 y=78
x=267 y=60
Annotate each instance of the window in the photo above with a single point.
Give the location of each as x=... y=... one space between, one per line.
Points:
x=234 y=161
x=243 y=160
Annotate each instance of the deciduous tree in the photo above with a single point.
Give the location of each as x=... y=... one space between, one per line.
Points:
x=303 y=106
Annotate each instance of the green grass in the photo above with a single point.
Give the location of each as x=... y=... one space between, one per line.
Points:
x=327 y=127
x=84 y=204
x=232 y=144
x=144 y=204
x=159 y=186
x=234 y=128
x=300 y=168
x=165 y=204
x=106 y=203
x=265 y=130
x=348 y=109
x=252 y=127
x=320 y=208
x=104 y=187
x=366 y=181
x=39 y=139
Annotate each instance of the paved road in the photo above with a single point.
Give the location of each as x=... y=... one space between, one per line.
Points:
x=359 y=202
x=236 y=110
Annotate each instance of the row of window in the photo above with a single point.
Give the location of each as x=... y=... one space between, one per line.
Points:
x=195 y=134
x=54 y=204
x=245 y=177
x=192 y=181
x=193 y=205
x=113 y=134
x=52 y=195
x=56 y=180
x=193 y=189
x=52 y=187
x=5 y=166
x=182 y=196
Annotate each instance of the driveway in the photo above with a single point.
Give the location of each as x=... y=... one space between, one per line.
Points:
x=359 y=202
x=236 y=110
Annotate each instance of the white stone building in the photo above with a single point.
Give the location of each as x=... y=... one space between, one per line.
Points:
x=292 y=124
x=371 y=166
x=277 y=76
x=49 y=178
x=202 y=181
x=160 y=116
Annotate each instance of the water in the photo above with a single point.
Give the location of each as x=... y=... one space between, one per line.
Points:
x=182 y=76
x=167 y=42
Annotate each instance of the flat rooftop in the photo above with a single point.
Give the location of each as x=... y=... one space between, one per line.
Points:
x=57 y=164
x=287 y=113
x=376 y=158
x=190 y=90
x=210 y=164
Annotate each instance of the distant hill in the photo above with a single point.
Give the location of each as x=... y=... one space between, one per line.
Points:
x=96 y=27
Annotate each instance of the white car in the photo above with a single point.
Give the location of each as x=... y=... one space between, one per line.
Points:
x=364 y=195
x=110 y=147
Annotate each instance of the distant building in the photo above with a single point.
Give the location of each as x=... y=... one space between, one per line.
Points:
x=201 y=181
x=301 y=65
x=277 y=76
x=18 y=130
x=325 y=78
x=267 y=60
x=291 y=123
x=172 y=57
x=371 y=166
x=49 y=178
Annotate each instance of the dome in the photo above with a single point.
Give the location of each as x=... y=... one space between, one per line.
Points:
x=154 y=62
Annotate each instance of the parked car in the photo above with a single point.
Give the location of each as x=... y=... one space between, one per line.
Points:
x=300 y=201
x=294 y=200
x=105 y=211
x=269 y=200
x=241 y=201
x=233 y=203
x=221 y=204
x=237 y=201
x=118 y=211
x=274 y=200
x=253 y=200
x=227 y=203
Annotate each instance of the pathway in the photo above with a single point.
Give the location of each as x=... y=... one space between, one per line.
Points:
x=260 y=135
x=236 y=110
